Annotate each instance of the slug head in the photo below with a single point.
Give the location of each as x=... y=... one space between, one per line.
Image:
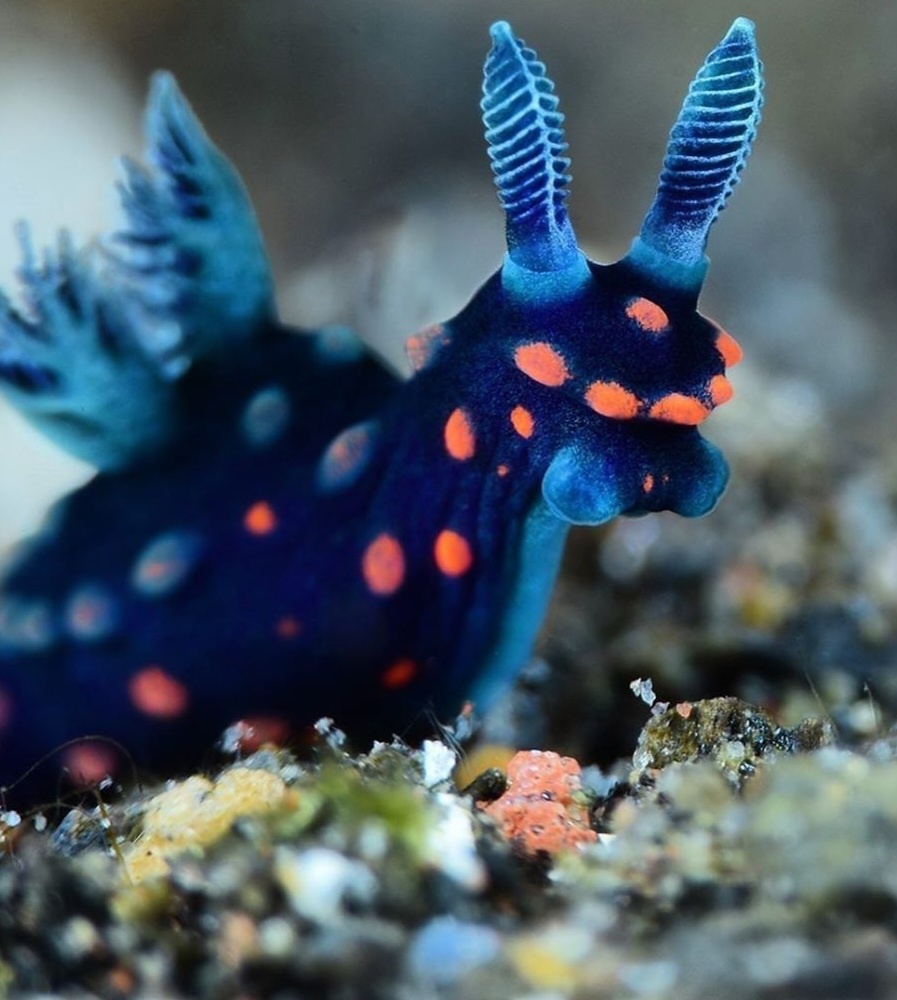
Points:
x=616 y=358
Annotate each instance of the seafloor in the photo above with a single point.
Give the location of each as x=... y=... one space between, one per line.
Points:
x=739 y=846
x=740 y=843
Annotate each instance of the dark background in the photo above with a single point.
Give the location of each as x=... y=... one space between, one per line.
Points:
x=356 y=127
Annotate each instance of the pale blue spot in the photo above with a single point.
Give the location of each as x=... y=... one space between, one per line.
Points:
x=91 y=613
x=266 y=416
x=339 y=345
x=447 y=949
x=166 y=563
x=347 y=456
x=26 y=625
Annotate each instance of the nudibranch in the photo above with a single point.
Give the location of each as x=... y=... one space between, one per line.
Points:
x=280 y=528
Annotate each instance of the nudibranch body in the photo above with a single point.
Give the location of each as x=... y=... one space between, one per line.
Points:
x=280 y=528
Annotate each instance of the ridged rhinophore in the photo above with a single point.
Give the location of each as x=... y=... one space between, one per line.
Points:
x=526 y=146
x=708 y=147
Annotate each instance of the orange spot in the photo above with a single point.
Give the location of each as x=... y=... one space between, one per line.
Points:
x=383 y=565
x=677 y=408
x=257 y=730
x=729 y=348
x=288 y=627
x=89 y=763
x=452 y=552
x=542 y=363
x=121 y=981
x=422 y=348
x=502 y=470
x=720 y=390
x=157 y=693
x=648 y=315
x=610 y=399
x=648 y=483
x=522 y=421
x=399 y=674
x=460 y=441
x=260 y=519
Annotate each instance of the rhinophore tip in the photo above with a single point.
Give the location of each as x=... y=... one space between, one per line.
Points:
x=526 y=145
x=708 y=147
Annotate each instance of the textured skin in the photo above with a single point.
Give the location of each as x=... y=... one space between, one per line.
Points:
x=281 y=528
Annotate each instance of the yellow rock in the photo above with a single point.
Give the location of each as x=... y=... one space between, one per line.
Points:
x=197 y=812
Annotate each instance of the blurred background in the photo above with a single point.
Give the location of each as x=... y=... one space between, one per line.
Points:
x=356 y=127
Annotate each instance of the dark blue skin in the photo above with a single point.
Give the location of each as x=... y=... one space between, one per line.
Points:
x=149 y=360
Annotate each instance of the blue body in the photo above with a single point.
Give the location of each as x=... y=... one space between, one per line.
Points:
x=282 y=529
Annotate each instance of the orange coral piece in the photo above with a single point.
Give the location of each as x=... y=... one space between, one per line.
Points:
x=539 y=811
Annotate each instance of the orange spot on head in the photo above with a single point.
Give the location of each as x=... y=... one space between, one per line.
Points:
x=502 y=470
x=542 y=363
x=288 y=627
x=260 y=519
x=452 y=553
x=677 y=408
x=383 y=565
x=522 y=421
x=89 y=763
x=156 y=693
x=648 y=483
x=399 y=674
x=729 y=348
x=610 y=399
x=720 y=390
x=460 y=441
x=648 y=315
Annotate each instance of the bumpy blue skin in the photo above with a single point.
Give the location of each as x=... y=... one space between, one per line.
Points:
x=158 y=358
